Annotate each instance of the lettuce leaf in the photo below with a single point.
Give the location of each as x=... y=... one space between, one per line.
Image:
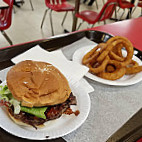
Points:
x=6 y=95
x=37 y=111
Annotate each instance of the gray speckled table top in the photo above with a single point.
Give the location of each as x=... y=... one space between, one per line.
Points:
x=111 y=107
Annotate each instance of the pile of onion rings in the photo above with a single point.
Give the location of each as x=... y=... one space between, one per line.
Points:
x=106 y=60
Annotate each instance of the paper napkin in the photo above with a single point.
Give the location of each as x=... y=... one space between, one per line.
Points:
x=71 y=48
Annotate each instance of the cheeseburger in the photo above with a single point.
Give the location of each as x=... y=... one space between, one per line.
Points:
x=36 y=92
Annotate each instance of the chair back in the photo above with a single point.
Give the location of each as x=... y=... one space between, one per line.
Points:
x=125 y=4
x=139 y=2
x=52 y=3
x=107 y=10
x=6 y=15
x=120 y=2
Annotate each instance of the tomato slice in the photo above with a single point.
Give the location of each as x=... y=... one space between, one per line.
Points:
x=4 y=103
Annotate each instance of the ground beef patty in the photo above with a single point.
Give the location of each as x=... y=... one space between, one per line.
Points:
x=52 y=112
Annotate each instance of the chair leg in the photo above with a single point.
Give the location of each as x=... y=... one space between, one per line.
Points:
x=7 y=38
x=103 y=1
x=141 y=13
x=93 y=25
x=31 y=5
x=115 y=12
x=133 y=10
x=97 y=5
x=14 y=10
x=104 y=22
x=22 y=2
x=80 y=25
x=122 y=14
x=43 y=18
x=73 y=14
x=51 y=23
x=118 y=9
x=64 y=18
x=129 y=12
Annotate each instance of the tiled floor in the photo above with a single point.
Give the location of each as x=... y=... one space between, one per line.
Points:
x=26 y=23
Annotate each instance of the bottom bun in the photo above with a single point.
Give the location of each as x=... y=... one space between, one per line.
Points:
x=17 y=121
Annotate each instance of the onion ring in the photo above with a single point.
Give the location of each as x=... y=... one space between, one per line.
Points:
x=133 y=68
x=93 y=54
x=110 y=68
x=128 y=46
x=118 y=50
x=132 y=64
x=118 y=73
x=108 y=49
x=113 y=56
x=99 y=68
x=126 y=43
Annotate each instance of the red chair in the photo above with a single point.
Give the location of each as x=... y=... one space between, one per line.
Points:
x=140 y=140
x=6 y=19
x=124 y=4
x=92 y=17
x=58 y=6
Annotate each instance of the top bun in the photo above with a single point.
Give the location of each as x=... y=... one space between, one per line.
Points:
x=37 y=84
